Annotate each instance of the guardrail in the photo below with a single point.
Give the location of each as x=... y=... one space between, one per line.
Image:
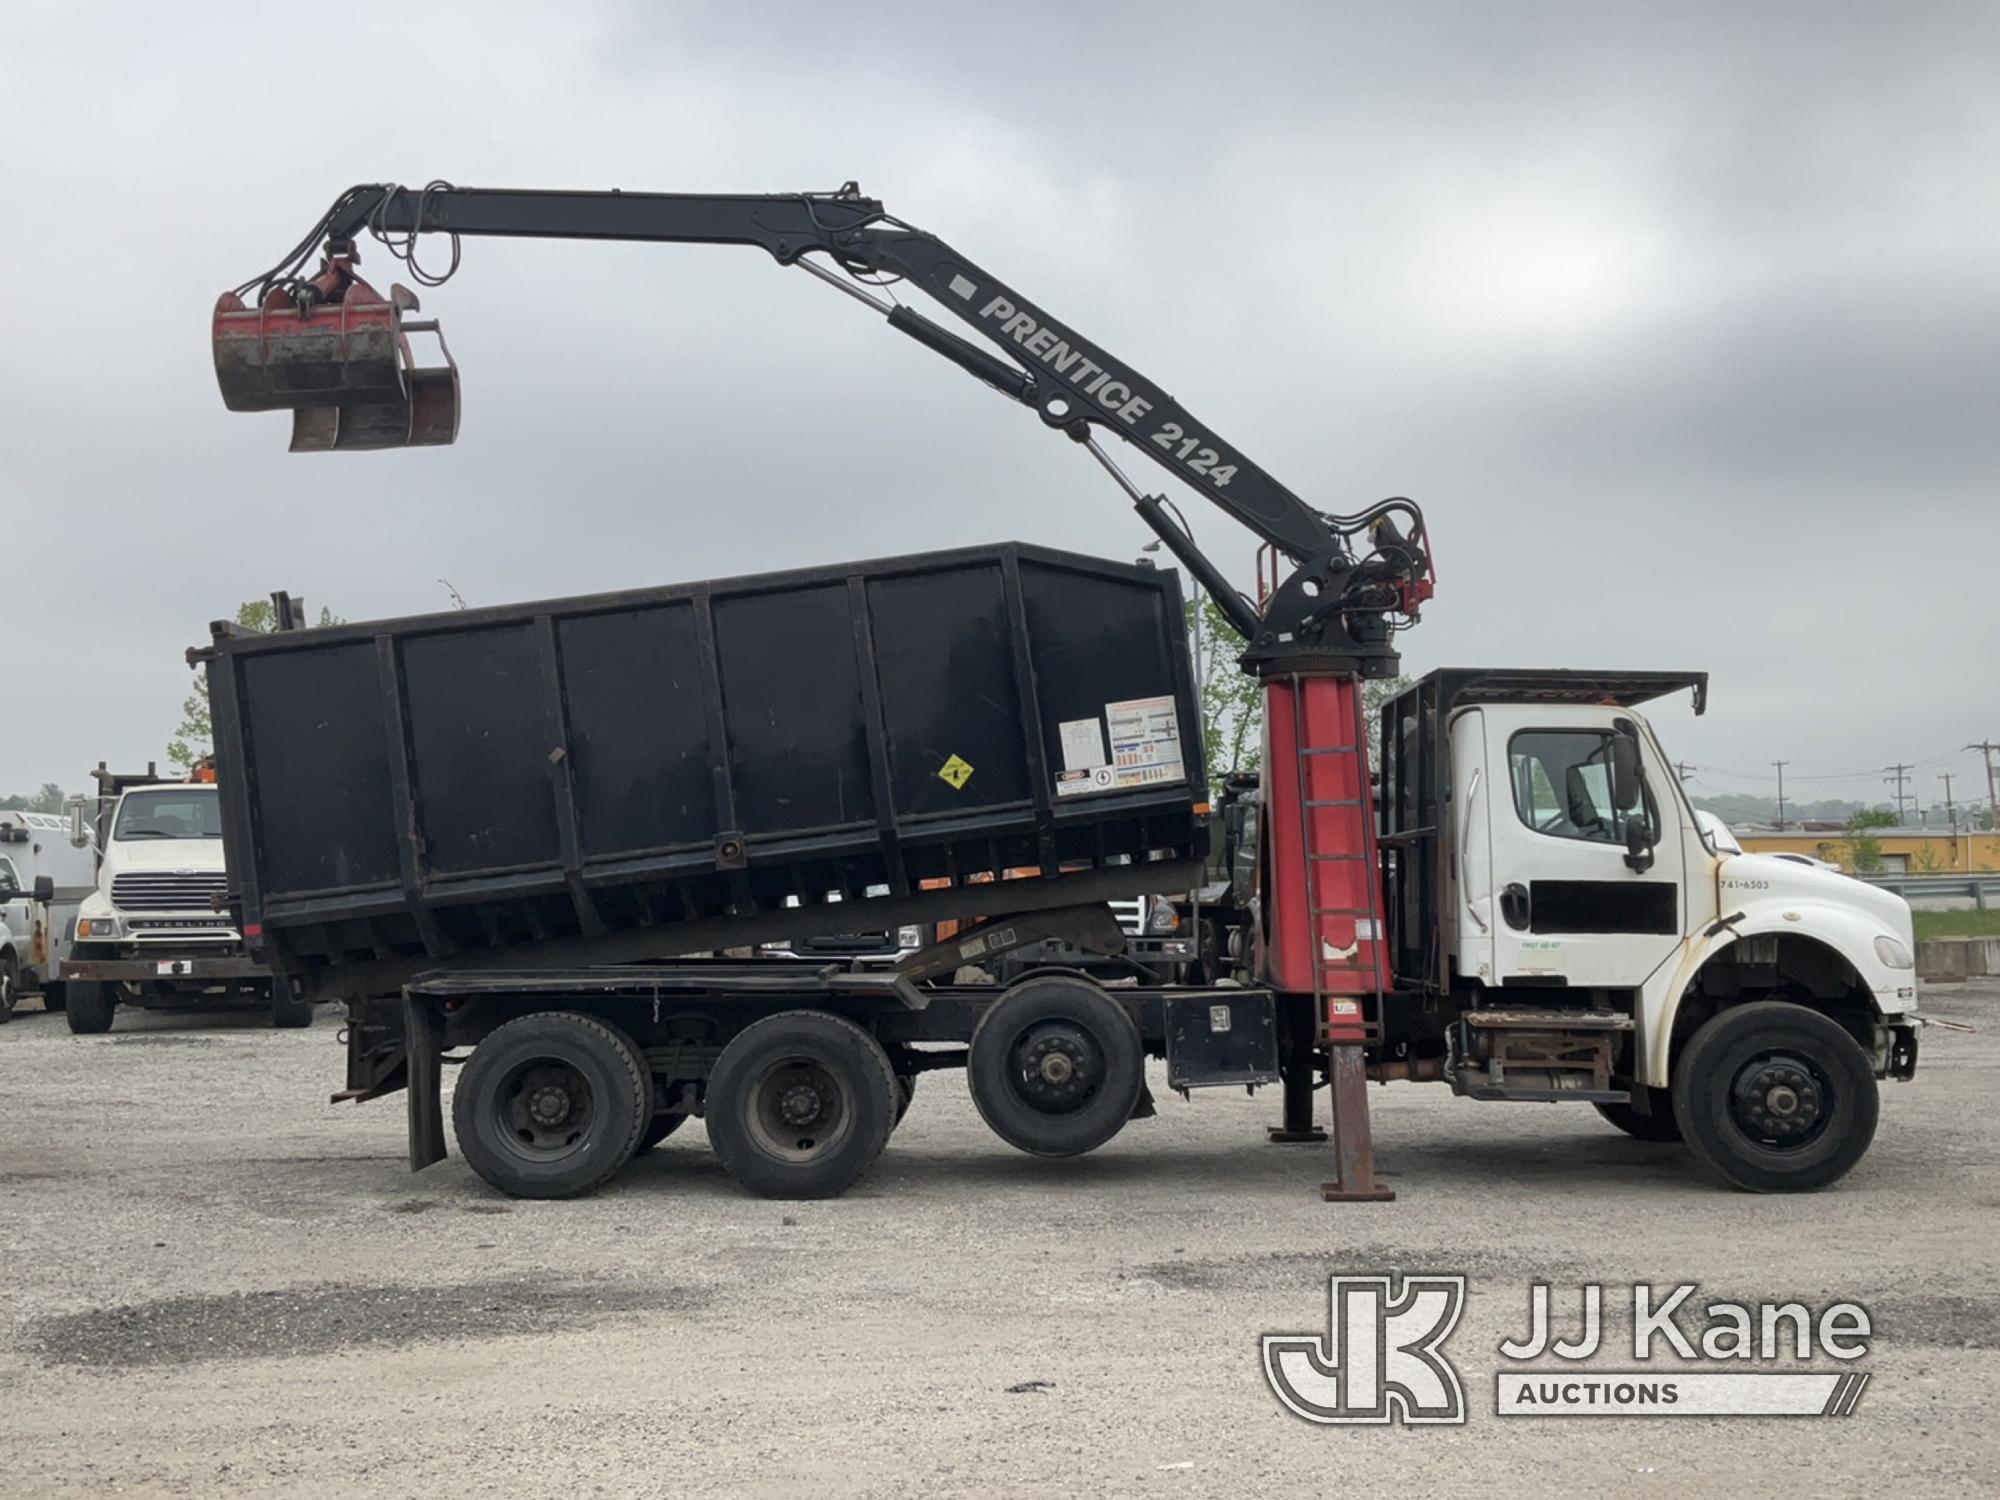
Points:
x=1982 y=890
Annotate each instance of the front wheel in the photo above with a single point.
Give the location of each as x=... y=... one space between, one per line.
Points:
x=801 y=1104
x=89 y=1005
x=551 y=1104
x=1775 y=1098
x=10 y=985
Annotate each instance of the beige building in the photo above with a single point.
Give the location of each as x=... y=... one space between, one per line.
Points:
x=1905 y=851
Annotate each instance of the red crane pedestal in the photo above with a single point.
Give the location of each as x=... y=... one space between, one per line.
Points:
x=1321 y=943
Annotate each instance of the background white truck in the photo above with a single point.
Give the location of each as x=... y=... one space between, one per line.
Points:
x=150 y=933
x=43 y=880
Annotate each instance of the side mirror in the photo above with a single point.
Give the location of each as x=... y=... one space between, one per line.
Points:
x=1624 y=770
x=1638 y=844
x=79 y=835
x=45 y=888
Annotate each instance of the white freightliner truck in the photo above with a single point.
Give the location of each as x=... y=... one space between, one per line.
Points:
x=1525 y=908
x=150 y=934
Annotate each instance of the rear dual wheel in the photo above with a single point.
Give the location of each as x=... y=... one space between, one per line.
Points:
x=801 y=1104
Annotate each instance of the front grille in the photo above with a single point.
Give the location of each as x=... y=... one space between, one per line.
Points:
x=155 y=891
x=1131 y=915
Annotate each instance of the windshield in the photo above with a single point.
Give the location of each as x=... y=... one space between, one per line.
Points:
x=184 y=813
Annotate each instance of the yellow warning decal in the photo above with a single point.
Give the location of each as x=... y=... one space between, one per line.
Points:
x=957 y=772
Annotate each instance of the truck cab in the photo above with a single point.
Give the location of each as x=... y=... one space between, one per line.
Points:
x=1546 y=871
x=150 y=933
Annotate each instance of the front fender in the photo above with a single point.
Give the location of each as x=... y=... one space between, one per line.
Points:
x=1847 y=932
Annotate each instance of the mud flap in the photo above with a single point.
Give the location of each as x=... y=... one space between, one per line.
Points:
x=423 y=1034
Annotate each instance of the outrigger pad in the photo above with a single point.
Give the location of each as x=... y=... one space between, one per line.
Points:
x=336 y=354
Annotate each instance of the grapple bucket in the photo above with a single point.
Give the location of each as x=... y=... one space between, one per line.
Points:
x=336 y=354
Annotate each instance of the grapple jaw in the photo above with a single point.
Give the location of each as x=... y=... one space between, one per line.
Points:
x=335 y=353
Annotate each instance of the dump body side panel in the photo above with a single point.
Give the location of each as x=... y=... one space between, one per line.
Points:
x=669 y=770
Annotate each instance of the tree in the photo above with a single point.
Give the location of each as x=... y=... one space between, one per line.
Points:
x=1927 y=859
x=1232 y=701
x=1864 y=850
x=195 y=738
x=49 y=799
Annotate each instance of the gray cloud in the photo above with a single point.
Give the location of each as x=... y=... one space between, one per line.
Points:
x=1679 y=320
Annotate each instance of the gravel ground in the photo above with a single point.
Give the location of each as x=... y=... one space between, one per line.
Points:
x=221 y=1285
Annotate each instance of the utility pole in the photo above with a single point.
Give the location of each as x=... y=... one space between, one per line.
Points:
x=1681 y=769
x=1898 y=776
x=1781 y=764
x=1986 y=748
x=1950 y=812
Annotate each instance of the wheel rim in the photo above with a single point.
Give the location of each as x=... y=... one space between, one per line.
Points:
x=798 y=1110
x=545 y=1109
x=1056 y=1067
x=1781 y=1100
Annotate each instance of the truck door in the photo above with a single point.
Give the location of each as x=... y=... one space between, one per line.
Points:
x=1569 y=908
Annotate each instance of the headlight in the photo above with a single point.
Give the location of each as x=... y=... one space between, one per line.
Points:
x=1163 y=917
x=1893 y=954
x=97 y=927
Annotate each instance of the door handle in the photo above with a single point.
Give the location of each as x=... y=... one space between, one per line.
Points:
x=1464 y=844
x=1515 y=908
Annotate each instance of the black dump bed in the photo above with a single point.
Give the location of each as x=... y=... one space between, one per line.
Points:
x=690 y=768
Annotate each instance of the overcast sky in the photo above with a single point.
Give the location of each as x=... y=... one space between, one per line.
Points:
x=1682 y=322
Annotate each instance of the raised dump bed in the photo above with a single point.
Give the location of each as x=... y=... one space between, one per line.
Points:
x=684 y=769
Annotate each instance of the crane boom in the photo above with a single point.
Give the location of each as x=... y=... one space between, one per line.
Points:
x=369 y=399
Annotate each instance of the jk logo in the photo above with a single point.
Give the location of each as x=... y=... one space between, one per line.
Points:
x=1379 y=1359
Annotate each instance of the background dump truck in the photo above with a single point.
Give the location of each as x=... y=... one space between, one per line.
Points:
x=497 y=829
x=150 y=933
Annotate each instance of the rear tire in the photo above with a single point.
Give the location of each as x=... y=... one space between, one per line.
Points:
x=550 y=1105
x=1775 y=1098
x=89 y=1005
x=10 y=985
x=1660 y=1125
x=289 y=1009
x=800 y=1104
x=1056 y=1066
x=53 y=995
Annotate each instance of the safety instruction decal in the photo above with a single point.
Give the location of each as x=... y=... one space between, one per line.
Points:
x=1145 y=749
x=1083 y=744
x=956 y=772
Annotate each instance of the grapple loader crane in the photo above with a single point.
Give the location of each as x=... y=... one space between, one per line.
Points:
x=337 y=354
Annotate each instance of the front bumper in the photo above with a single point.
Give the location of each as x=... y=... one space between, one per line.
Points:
x=218 y=969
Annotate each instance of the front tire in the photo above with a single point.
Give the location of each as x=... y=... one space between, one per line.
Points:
x=89 y=1005
x=1056 y=1066
x=550 y=1105
x=801 y=1104
x=10 y=985
x=1659 y=1126
x=1775 y=1098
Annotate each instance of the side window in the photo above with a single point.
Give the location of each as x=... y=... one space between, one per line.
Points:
x=9 y=881
x=1562 y=786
